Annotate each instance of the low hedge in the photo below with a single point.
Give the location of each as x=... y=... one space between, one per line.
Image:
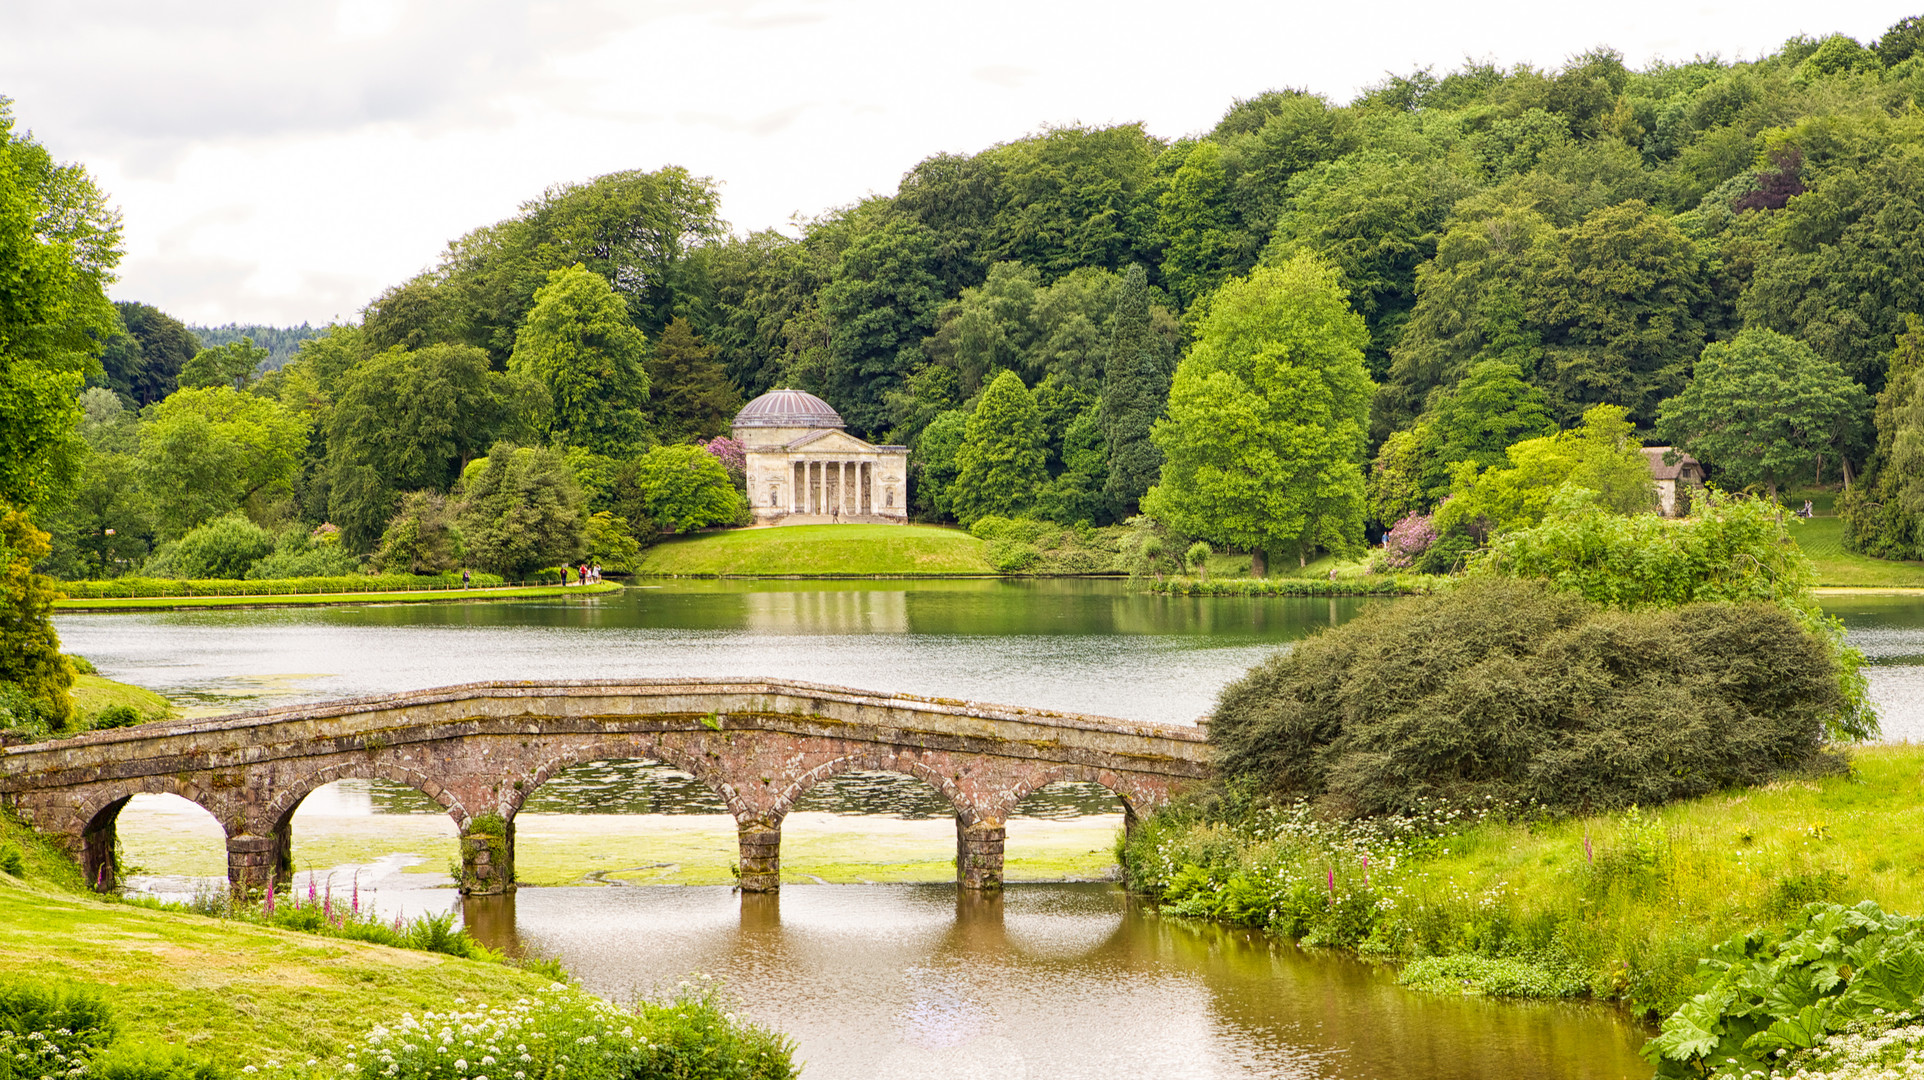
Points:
x=1393 y=585
x=133 y=587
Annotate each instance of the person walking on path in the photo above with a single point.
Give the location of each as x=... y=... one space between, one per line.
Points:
x=464 y=577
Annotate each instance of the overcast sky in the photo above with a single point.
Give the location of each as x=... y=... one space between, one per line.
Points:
x=280 y=162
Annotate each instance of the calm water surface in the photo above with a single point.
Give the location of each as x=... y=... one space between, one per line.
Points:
x=917 y=981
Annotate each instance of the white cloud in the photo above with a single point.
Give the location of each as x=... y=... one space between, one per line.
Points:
x=281 y=162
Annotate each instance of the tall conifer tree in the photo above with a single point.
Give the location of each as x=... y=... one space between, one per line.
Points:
x=1135 y=389
x=693 y=396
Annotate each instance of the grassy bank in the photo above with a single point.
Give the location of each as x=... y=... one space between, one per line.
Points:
x=248 y=994
x=174 y=603
x=94 y=693
x=819 y=551
x=1618 y=906
x=1822 y=538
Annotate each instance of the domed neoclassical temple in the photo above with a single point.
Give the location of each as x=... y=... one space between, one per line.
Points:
x=804 y=469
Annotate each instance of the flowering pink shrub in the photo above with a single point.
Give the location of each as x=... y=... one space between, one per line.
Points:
x=1408 y=539
x=732 y=455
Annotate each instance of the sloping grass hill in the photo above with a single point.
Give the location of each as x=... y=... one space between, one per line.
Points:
x=820 y=551
x=248 y=994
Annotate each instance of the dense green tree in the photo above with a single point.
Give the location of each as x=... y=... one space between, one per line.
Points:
x=989 y=328
x=1621 y=312
x=956 y=198
x=1135 y=390
x=1884 y=515
x=1073 y=197
x=1075 y=494
x=1001 y=465
x=693 y=398
x=1762 y=409
x=680 y=489
x=426 y=310
x=1266 y=428
x=933 y=462
x=1601 y=456
x=1377 y=217
x=58 y=246
x=520 y=511
x=208 y=452
x=1470 y=303
x=105 y=529
x=1395 y=485
x=422 y=536
x=876 y=311
x=1848 y=264
x=1492 y=409
x=410 y=421
x=143 y=364
x=1608 y=309
x=234 y=364
x=29 y=649
x=633 y=229
x=579 y=345
x=1267 y=142
x=1194 y=223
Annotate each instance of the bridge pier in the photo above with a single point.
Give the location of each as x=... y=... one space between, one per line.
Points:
x=487 y=856
x=761 y=854
x=252 y=861
x=978 y=852
x=97 y=840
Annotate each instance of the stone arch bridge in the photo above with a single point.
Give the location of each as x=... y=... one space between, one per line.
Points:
x=481 y=749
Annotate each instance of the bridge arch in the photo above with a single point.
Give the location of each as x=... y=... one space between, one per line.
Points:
x=516 y=792
x=886 y=761
x=1135 y=800
x=98 y=815
x=279 y=813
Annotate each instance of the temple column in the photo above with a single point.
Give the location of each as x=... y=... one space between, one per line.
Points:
x=794 y=487
x=848 y=490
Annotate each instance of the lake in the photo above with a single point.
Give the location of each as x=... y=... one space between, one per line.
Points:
x=896 y=978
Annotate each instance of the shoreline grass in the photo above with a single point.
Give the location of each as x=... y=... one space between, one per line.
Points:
x=820 y=551
x=175 y=603
x=1616 y=906
x=1822 y=539
x=248 y=992
x=93 y=693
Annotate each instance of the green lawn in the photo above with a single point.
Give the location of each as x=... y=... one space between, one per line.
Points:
x=250 y=994
x=112 y=603
x=820 y=551
x=1822 y=538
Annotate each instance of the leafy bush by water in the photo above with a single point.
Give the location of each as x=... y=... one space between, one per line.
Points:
x=1504 y=976
x=1779 y=998
x=1509 y=690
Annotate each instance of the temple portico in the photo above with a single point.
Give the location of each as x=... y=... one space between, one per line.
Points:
x=802 y=468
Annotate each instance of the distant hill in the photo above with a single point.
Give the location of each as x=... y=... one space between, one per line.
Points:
x=279 y=341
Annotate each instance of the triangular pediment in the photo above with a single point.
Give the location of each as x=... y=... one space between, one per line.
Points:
x=831 y=442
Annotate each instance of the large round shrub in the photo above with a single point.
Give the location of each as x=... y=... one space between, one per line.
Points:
x=226 y=547
x=1508 y=689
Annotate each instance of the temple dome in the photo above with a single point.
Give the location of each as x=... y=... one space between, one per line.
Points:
x=788 y=409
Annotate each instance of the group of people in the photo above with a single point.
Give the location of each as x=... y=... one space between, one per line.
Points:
x=586 y=573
